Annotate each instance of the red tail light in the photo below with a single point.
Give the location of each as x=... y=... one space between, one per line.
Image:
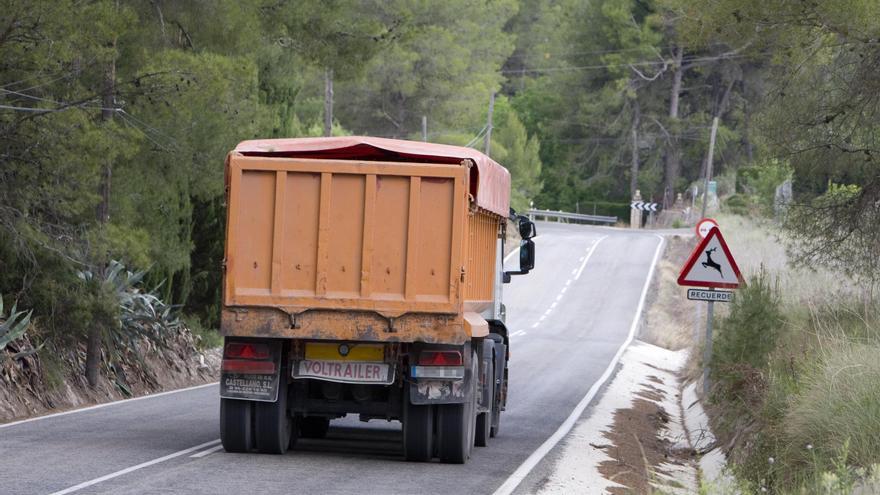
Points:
x=440 y=358
x=242 y=350
x=248 y=367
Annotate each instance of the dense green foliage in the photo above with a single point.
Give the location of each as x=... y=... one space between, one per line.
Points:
x=115 y=116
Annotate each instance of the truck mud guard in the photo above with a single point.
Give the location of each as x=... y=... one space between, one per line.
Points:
x=442 y=375
x=250 y=370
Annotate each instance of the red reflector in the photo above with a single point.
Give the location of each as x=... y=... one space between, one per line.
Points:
x=248 y=367
x=440 y=358
x=247 y=351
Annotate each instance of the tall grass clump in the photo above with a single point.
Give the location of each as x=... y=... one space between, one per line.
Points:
x=837 y=413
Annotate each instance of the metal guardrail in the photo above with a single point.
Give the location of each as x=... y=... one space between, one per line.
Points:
x=564 y=215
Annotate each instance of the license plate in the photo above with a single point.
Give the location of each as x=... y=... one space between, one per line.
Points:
x=345 y=371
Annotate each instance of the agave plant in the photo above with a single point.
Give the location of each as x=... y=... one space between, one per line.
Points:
x=142 y=314
x=13 y=326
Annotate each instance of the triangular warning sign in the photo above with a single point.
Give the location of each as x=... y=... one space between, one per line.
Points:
x=711 y=265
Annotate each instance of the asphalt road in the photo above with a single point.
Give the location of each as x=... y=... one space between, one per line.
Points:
x=568 y=319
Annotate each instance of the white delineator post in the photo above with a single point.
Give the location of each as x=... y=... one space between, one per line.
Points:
x=635 y=214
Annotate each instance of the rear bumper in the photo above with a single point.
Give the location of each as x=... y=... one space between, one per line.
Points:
x=359 y=326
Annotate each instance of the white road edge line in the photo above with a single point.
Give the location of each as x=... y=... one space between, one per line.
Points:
x=106 y=404
x=526 y=467
x=589 y=255
x=207 y=452
x=86 y=484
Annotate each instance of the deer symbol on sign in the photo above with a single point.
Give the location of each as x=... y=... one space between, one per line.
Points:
x=709 y=263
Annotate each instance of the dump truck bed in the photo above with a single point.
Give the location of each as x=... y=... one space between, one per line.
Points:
x=324 y=245
x=344 y=235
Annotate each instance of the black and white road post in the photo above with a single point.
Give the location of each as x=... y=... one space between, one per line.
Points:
x=635 y=214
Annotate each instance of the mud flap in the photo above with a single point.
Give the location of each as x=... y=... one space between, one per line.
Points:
x=261 y=387
x=427 y=391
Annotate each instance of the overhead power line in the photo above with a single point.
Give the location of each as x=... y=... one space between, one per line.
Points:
x=598 y=52
x=610 y=66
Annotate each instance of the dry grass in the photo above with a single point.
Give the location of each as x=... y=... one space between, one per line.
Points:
x=756 y=243
x=670 y=321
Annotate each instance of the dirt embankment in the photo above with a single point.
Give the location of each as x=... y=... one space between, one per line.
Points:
x=53 y=380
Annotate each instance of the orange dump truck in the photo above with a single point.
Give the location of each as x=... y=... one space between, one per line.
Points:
x=363 y=276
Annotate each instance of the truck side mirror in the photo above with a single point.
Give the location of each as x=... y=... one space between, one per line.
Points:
x=526 y=255
x=526 y=228
x=526 y=260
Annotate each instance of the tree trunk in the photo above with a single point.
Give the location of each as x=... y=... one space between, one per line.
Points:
x=747 y=140
x=487 y=142
x=102 y=214
x=673 y=153
x=634 y=167
x=328 y=102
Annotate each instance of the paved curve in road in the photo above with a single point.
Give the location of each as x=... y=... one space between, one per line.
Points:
x=568 y=319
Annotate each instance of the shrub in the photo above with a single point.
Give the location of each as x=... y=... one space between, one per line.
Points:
x=760 y=180
x=747 y=337
x=738 y=204
x=206 y=338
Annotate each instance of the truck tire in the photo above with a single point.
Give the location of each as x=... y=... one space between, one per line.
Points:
x=235 y=425
x=418 y=432
x=273 y=426
x=484 y=419
x=456 y=424
x=314 y=427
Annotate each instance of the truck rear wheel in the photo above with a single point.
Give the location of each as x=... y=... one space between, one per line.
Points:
x=418 y=432
x=314 y=427
x=456 y=426
x=273 y=426
x=235 y=425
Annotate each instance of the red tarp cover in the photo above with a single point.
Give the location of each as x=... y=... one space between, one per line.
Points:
x=492 y=184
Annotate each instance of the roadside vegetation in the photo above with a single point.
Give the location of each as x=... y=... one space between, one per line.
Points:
x=115 y=118
x=795 y=371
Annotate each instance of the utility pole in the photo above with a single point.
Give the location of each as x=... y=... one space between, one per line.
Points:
x=328 y=101
x=488 y=140
x=634 y=164
x=719 y=109
x=424 y=127
x=709 y=164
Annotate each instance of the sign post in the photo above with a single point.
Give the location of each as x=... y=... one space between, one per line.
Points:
x=707 y=349
x=711 y=266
